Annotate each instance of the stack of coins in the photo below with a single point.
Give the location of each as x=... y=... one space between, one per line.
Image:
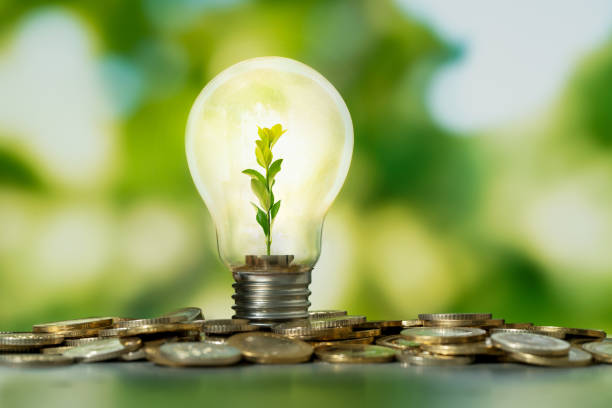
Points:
x=183 y=338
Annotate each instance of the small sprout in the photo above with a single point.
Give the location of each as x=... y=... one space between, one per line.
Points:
x=262 y=184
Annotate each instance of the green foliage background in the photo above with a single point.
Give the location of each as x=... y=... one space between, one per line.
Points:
x=428 y=220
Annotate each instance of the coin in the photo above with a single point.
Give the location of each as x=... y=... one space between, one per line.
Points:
x=412 y=323
x=205 y=338
x=464 y=323
x=227 y=326
x=530 y=343
x=169 y=319
x=34 y=360
x=555 y=331
x=601 y=350
x=133 y=355
x=56 y=350
x=186 y=314
x=150 y=329
x=456 y=316
x=338 y=321
x=355 y=353
x=462 y=349
x=103 y=349
x=444 y=335
x=396 y=342
x=79 y=333
x=568 y=331
x=200 y=354
x=319 y=314
x=302 y=330
x=517 y=326
x=69 y=325
x=507 y=330
x=83 y=340
x=575 y=358
x=271 y=348
x=362 y=333
x=364 y=340
x=380 y=324
x=10 y=341
x=425 y=359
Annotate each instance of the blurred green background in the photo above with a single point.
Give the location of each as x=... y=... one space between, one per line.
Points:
x=481 y=176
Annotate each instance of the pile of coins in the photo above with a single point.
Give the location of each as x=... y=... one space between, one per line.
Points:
x=183 y=338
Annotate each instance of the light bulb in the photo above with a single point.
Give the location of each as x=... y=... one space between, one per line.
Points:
x=233 y=111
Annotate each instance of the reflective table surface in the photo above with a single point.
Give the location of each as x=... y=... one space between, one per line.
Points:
x=139 y=384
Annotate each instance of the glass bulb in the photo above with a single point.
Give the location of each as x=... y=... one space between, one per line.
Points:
x=316 y=151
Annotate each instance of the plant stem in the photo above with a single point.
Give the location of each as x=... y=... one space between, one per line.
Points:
x=269 y=235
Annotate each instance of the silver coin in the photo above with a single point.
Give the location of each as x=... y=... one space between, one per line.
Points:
x=227 y=326
x=134 y=355
x=425 y=359
x=338 y=321
x=455 y=316
x=186 y=314
x=320 y=314
x=30 y=339
x=34 y=360
x=103 y=349
x=200 y=354
x=601 y=350
x=443 y=335
x=530 y=343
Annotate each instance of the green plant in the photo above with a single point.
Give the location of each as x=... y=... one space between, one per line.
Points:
x=262 y=185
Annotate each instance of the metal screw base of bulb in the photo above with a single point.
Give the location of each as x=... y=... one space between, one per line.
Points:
x=268 y=293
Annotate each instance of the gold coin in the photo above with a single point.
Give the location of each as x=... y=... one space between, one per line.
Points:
x=601 y=350
x=426 y=359
x=592 y=333
x=444 y=335
x=271 y=348
x=530 y=343
x=103 y=349
x=554 y=331
x=397 y=342
x=355 y=353
x=169 y=319
x=197 y=354
x=361 y=333
x=79 y=333
x=364 y=340
x=34 y=360
x=69 y=325
x=338 y=321
x=456 y=316
x=228 y=326
x=575 y=358
x=150 y=329
x=302 y=330
x=22 y=340
x=517 y=326
x=320 y=314
x=463 y=349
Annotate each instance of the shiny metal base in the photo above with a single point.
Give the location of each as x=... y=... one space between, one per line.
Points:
x=267 y=296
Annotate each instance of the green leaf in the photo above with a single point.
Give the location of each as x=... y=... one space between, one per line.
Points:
x=276 y=132
x=261 y=192
x=255 y=174
x=262 y=220
x=274 y=169
x=274 y=209
x=264 y=135
x=267 y=156
x=260 y=157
